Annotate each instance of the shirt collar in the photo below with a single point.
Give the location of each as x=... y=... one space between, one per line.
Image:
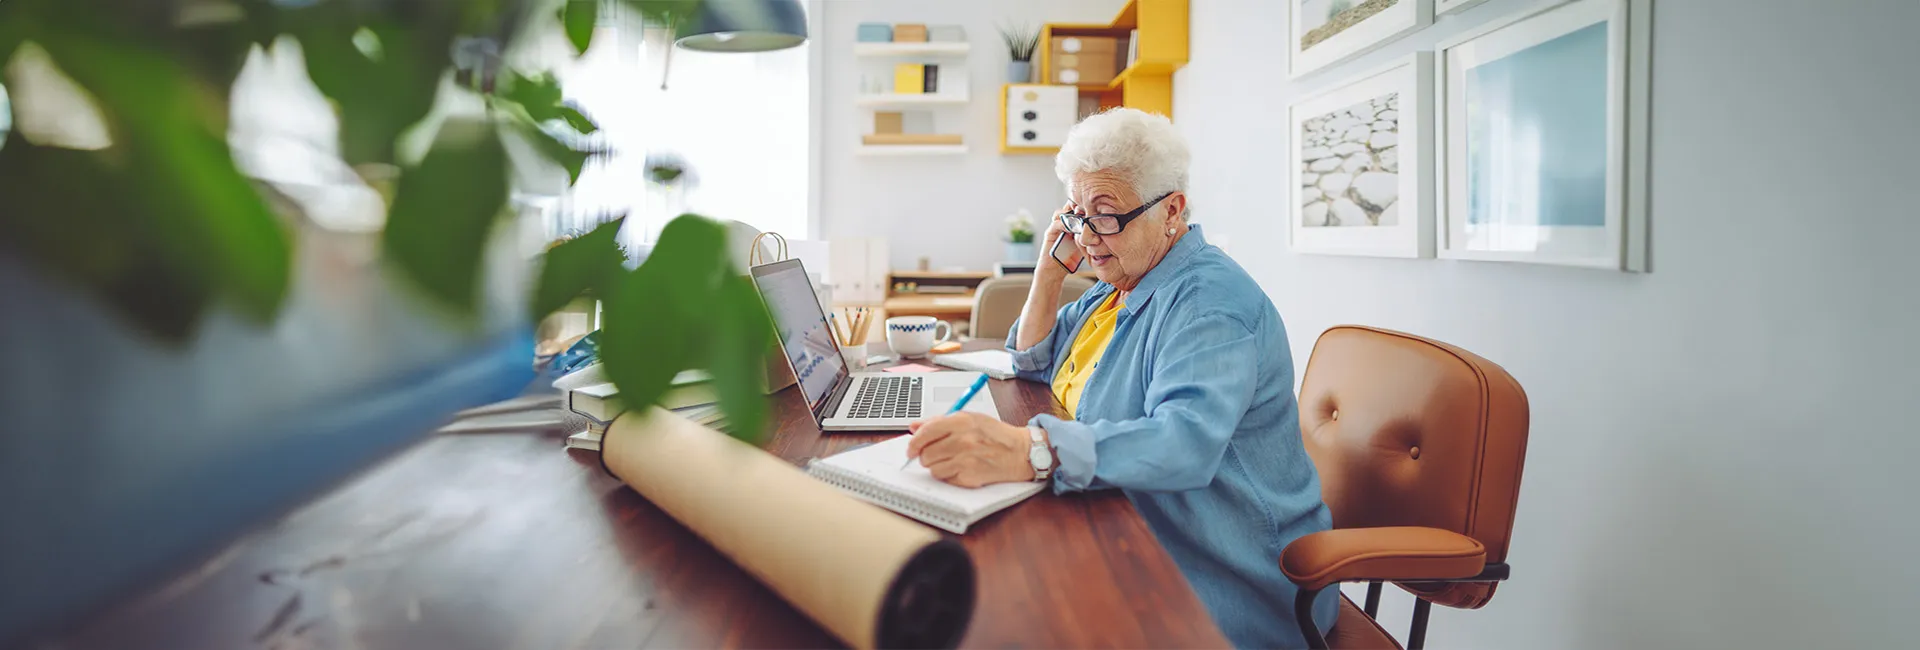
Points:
x=1169 y=267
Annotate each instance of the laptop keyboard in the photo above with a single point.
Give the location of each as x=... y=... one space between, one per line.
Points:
x=887 y=398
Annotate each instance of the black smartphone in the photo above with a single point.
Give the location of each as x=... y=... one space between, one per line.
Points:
x=1078 y=258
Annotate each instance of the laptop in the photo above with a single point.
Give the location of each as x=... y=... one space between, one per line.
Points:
x=843 y=400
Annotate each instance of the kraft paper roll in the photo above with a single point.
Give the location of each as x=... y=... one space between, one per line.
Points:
x=868 y=576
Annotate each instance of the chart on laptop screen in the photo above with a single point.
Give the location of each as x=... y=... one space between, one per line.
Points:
x=804 y=333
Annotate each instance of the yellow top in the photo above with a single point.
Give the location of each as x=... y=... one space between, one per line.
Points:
x=1071 y=379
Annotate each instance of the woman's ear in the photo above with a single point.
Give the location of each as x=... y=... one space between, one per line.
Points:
x=1176 y=206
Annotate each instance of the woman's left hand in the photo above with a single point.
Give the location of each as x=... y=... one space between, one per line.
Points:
x=971 y=450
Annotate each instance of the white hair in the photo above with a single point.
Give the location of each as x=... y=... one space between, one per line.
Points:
x=1142 y=147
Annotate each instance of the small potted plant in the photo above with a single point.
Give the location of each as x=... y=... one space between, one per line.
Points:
x=1020 y=237
x=1021 y=42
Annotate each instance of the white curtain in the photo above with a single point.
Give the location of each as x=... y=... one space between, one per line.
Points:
x=739 y=122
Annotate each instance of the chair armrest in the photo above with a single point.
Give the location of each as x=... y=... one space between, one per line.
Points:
x=1398 y=553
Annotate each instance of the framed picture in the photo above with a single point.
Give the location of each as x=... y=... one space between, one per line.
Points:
x=1543 y=137
x=1442 y=7
x=1362 y=184
x=1326 y=32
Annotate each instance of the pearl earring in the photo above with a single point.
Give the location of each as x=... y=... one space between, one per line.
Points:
x=1169 y=232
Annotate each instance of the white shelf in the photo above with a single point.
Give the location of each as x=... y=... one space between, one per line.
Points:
x=911 y=149
x=911 y=49
x=883 y=100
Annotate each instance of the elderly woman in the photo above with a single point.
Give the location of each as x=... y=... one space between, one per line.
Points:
x=1176 y=372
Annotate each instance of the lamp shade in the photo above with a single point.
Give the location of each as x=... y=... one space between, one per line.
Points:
x=744 y=26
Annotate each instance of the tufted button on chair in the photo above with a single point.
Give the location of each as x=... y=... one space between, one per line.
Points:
x=1419 y=446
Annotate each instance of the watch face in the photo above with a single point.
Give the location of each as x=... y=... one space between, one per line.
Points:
x=1040 y=458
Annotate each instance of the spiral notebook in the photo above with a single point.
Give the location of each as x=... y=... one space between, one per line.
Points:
x=873 y=474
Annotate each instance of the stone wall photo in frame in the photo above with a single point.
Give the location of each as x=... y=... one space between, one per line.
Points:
x=1542 y=125
x=1358 y=164
x=1325 y=32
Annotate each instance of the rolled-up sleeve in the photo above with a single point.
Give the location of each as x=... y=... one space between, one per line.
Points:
x=1202 y=385
x=1036 y=363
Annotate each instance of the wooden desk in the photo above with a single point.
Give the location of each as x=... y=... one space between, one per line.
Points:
x=506 y=541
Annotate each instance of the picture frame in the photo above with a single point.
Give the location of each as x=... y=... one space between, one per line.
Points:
x=1444 y=7
x=1550 y=165
x=1324 y=32
x=1359 y=164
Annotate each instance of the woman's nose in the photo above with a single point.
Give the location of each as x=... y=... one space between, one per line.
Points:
x=1087 y=237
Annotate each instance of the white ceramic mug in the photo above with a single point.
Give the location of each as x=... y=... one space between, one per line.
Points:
x=912 y=336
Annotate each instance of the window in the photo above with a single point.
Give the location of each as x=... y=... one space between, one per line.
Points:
x=739 y=121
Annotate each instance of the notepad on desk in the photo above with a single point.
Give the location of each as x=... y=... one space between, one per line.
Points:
x=874 y=474
x=998 y=364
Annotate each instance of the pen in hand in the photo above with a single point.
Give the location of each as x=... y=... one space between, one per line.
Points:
x=957 y=406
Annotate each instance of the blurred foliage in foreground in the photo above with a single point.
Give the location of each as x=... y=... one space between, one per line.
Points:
x=156 y=221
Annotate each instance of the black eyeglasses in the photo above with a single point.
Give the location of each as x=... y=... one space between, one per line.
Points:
x=1105 y=224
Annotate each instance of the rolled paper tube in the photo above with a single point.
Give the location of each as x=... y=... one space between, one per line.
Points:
x=871 y=578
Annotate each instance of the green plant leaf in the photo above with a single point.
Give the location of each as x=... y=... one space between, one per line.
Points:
x=378 y=97
x=539 y=95
x=444 y=210
x=579 y=121
x=580 y=16
x=665 y=12
x=12 y=31
x=658 y=319
x=574 y=160
x=591 y=261
x=76 y=218
x=742 y=336
x=198 y=209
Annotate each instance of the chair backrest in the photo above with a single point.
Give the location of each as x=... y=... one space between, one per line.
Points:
x=1407 y=431
x=1074 y=287
x=997 y=302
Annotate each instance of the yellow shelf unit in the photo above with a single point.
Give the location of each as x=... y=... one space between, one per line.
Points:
x=1147 y=84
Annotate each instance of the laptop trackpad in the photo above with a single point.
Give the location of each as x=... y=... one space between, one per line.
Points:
x=941 y=398
x=945 y=396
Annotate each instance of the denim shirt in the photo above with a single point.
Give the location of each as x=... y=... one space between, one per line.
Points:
x=1190 y=412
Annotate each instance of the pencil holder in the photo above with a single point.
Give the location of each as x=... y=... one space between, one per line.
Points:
x=856 y=356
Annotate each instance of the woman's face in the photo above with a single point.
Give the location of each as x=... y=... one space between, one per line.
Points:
x=1123 y=259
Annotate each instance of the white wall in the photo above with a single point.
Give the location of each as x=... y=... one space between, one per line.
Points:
x=1722 y=452
x=950 y=209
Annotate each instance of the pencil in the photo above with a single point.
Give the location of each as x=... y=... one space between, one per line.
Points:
x=834 y=320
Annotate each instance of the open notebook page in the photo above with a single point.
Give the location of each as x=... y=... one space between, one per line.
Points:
x=881 y=462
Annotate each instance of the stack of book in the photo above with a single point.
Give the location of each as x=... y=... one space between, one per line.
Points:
x=691 y=397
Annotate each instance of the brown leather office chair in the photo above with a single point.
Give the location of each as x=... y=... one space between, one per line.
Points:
x=1419 y=446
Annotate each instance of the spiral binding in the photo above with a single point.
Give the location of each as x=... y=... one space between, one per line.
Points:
x=866 y=489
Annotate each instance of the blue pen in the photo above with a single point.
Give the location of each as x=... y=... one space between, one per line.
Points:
x=971 y=391
x=964 y=398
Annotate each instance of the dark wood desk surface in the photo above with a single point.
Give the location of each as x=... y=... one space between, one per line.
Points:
x=506 y=541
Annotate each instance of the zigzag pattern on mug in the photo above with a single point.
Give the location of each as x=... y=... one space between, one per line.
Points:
x=913 y=328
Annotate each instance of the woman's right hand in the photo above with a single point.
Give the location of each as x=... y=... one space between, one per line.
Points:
x=1046 y=266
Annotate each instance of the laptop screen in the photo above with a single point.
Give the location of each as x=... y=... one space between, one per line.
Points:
x=805 y=336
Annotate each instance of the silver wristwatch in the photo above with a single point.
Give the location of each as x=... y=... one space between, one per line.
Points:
x=1040 y=455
